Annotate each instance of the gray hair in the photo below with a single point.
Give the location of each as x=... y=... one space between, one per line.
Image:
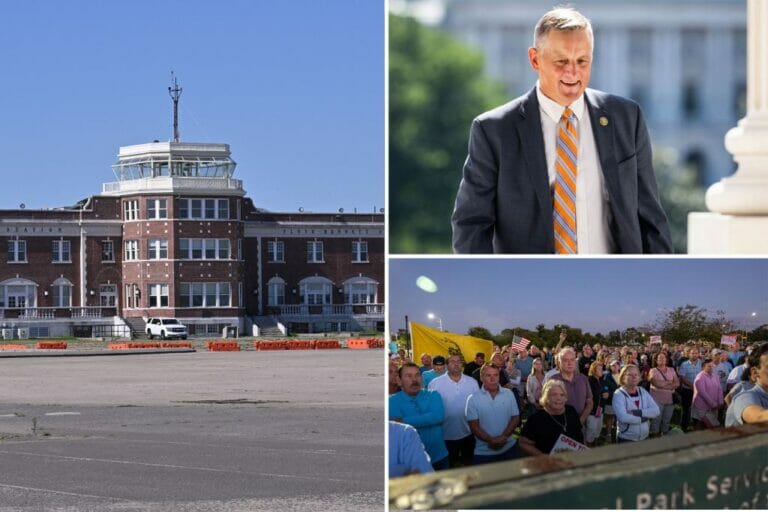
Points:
x=562 y=19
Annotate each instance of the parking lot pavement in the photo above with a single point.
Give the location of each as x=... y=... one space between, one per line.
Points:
x=289 y=430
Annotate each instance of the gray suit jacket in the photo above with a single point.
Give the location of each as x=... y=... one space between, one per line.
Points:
x=504 y=202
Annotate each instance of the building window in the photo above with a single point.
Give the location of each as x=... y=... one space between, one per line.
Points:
x=108 y=296
x=359 y=252
x=276 y=292
x=61 y=251
x=240 y=249
x=204 y=249
x=360 y=290
x=275 y=251
x=131 y=209
x=18 y=293
x=316 y=290
x=223 y=209
x=158 y=249
x=315 y=252
x=62 y=293
x=132 y=296
x=17 y=251
x=158 y=295
x=196 y=295
x=204 y=208
x=157 y=208
x=131 y=250
x=107 y=251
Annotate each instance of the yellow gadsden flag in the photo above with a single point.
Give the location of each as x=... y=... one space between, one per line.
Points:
x=433 y=342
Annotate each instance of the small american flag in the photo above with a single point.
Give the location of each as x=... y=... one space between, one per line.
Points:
x=519 y=343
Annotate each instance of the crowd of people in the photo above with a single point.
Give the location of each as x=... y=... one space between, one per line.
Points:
x=448 y=413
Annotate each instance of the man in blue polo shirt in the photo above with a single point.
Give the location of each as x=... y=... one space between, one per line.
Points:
x=493 y=415
x=423 y=410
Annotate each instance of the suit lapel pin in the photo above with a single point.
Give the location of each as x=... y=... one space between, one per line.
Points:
x=603 y=121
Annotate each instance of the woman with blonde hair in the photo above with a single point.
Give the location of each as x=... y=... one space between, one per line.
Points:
x=600 y=393
x=534 y=385
x=634 y=406
x=542 y=430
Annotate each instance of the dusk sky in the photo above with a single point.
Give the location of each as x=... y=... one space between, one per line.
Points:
x=296 y=88
x=597 y=295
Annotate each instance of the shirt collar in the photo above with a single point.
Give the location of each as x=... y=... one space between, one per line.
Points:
x=554 y=110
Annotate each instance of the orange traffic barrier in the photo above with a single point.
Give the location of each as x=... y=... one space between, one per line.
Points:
x=223 y=346
x=327 y=344
x=299 y=345
x=270 y=345
x=128 y=346
x=375 y=342
x=52 y=345
x=13 y=347
x=357 y=343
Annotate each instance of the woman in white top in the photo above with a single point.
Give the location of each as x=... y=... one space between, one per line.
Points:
x=534 y=385
x=634 y=406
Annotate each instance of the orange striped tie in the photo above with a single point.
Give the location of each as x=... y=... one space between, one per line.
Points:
x=565 y=184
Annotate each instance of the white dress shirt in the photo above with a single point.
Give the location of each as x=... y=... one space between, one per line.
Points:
x=592 y=216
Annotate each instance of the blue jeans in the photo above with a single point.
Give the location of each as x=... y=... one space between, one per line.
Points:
x=510 y=454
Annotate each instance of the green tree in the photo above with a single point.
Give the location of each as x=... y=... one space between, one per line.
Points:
x=683 y=323
x=759 y=334
x=480 y=332
x=436 y=88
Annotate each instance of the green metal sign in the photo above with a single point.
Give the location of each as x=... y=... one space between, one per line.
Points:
x=722 y=468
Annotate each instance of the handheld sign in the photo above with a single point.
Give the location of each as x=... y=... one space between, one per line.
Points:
x=567 y=444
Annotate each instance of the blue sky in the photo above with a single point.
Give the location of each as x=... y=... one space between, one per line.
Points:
x=597 y=295
x=296 y=88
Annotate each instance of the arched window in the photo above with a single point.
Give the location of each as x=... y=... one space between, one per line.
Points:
x=18 y=293
x=62 y=293
x=276 y=291
x=316 y=290
x=360 y=290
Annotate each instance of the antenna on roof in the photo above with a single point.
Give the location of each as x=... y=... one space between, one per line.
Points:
x=175 y=93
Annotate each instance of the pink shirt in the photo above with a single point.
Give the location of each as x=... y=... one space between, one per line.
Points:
x=707 y=392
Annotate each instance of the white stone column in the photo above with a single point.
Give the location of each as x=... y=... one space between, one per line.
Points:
x=739 y=224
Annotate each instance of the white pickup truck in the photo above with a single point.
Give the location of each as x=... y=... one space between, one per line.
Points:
x=166 y=328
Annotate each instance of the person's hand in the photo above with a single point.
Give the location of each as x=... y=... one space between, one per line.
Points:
x=605 y=395
x=563 y=335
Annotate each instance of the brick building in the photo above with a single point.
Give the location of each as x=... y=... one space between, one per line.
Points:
x=175 y=235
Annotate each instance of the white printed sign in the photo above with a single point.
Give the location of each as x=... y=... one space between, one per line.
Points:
x=567 y=444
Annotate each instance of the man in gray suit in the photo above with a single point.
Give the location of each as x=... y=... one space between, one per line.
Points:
x=562 y=169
